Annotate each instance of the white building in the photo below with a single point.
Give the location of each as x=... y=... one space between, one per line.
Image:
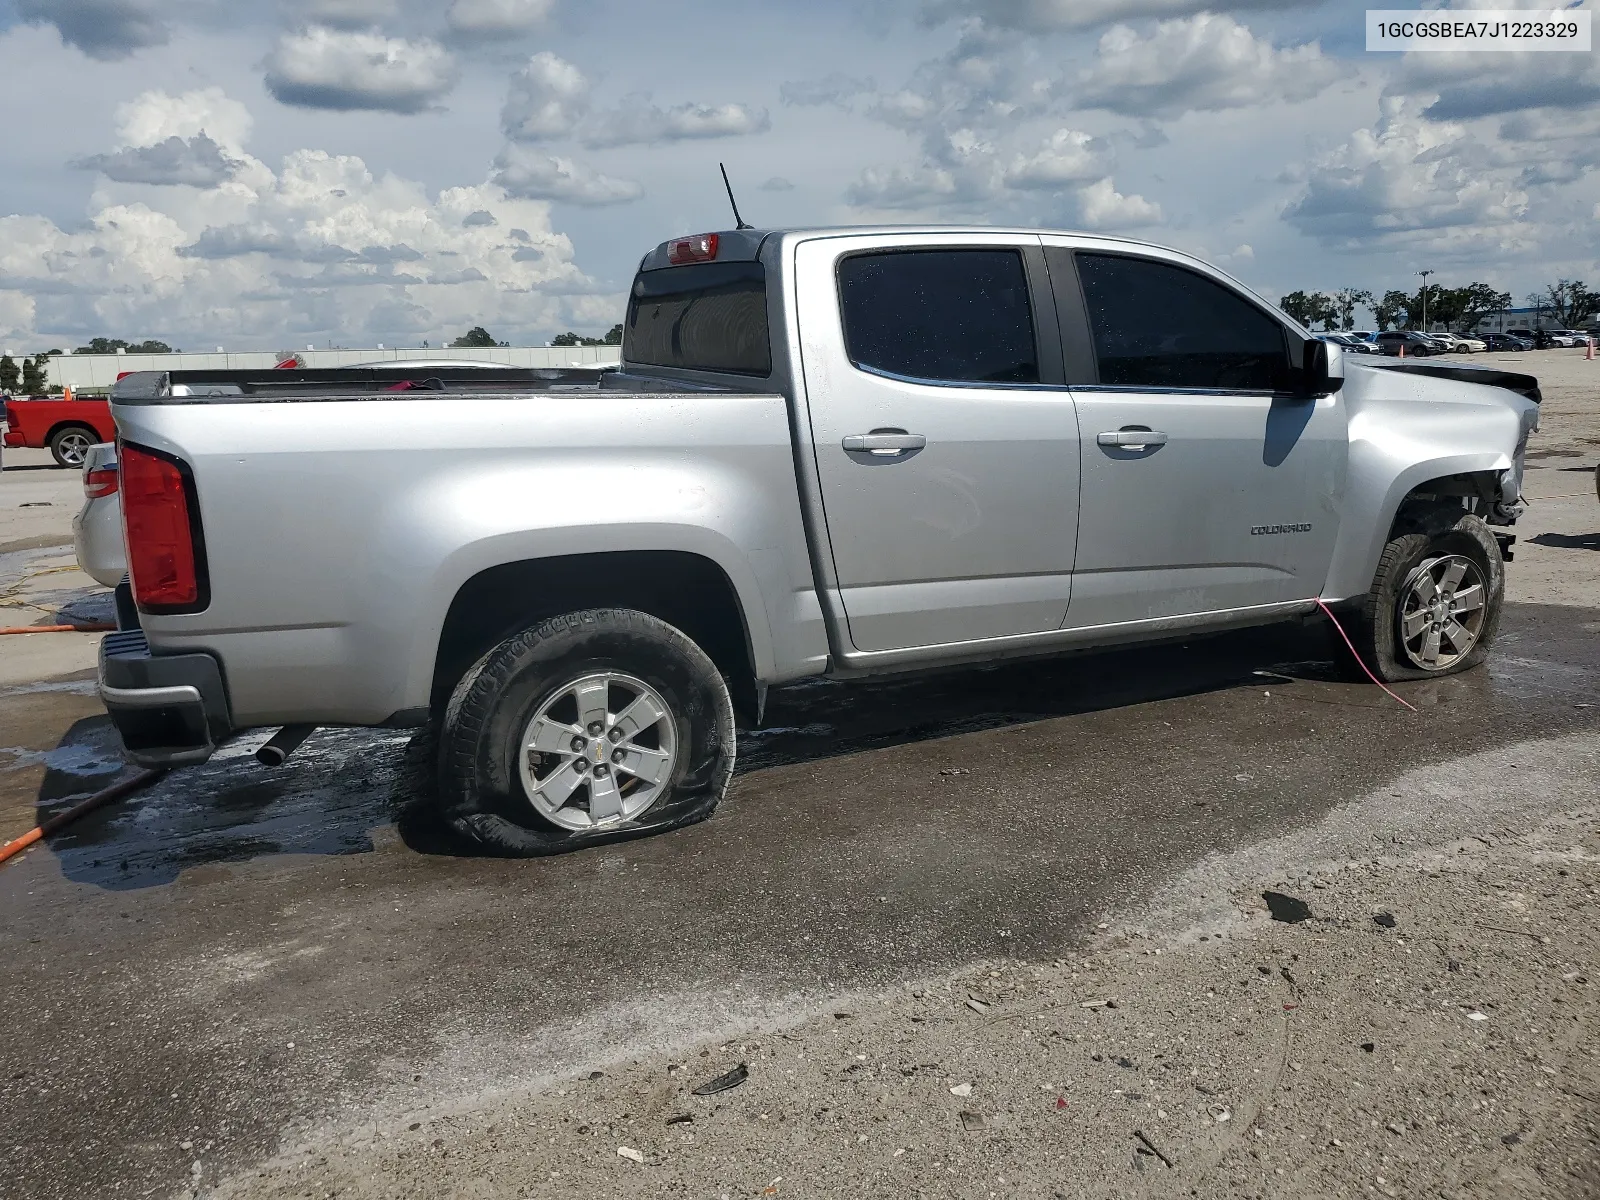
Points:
x=1515 y=318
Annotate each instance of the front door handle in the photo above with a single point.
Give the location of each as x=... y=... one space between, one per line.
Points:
x=1132 y=438
x=885 y=442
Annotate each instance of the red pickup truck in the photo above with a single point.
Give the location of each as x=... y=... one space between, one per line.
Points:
x=67 y=427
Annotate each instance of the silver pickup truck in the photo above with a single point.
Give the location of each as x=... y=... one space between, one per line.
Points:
x=832 y=452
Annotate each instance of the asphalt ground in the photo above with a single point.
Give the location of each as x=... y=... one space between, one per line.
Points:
x=215 y=986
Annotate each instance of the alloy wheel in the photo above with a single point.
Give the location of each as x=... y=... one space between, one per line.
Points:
x=1442 y=610
x=599 y=751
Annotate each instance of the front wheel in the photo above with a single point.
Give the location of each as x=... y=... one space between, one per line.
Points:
x=590 y=727
x=1435 y=601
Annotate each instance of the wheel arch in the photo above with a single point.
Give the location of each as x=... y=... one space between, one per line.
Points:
x=66 y=423
x=689 y=591
x=1441 y=484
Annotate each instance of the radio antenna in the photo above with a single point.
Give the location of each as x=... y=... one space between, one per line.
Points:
x=738 y=221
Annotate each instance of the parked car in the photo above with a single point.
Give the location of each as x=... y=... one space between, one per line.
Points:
x=97 y=529
x=832 y=452
x=1416 y=345
x=1505 y=341
x=67 y=428
x=1446 y=341
x=1528 y=335
x=1349 y=341
x=1470 y=344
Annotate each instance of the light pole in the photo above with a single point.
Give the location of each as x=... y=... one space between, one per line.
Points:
x=1424 y=275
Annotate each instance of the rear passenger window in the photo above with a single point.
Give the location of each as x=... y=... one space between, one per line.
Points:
x=1158 y=325
x=948 y=316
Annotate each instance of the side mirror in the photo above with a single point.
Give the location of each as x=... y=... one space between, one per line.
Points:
x=1315 y=377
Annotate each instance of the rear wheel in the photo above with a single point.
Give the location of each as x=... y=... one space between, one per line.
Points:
x=1435 y=601
x=70 y=445
x=590 y=727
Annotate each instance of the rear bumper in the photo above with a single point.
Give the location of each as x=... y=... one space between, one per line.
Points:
x=170 y=709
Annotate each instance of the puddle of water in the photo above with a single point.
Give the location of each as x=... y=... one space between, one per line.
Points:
x=325 y=800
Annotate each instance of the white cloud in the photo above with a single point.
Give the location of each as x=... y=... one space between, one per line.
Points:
x=637 y=122
x=497 y=18
x=1101 y=206
x=530 y=174
x=1404 y=177
x=547 y=98
x=903 y=187
x=103 y=29
x=1068 y=157
x=1205 y=62
x=167 y=140
x=196 y=161
x=778 y=184
x=349 y=70
x=319 y=248
x=1464 y=86
x=153 y=117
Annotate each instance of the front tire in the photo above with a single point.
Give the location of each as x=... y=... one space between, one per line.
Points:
x=650 y=709
x=1435 y=602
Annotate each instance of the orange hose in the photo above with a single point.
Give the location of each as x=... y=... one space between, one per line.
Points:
x=105 y=796
x=58 y=629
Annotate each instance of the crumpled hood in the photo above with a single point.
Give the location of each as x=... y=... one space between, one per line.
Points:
x=1512 y=381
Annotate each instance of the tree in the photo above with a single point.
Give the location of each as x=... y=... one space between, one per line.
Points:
x=34 y=379
x=10 y=374
x=1393 y=310
x=1566 y=302
x=1345 y=302
x=475 y=337
x=1479 y=300
x=613 y=337
x=102 y=345
x=1309 y=307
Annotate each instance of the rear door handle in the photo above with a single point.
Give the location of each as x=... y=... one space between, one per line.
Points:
x=885 y=442
x=1132 y=439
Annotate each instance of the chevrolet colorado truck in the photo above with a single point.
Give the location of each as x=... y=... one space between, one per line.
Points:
x=833 y=452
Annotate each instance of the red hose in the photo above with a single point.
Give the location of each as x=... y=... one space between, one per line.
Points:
x=115 y=792
x=1356 y=656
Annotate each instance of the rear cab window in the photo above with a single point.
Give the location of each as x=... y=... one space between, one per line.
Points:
x=701 y=317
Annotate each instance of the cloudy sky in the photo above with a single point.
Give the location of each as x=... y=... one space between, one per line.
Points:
x=296 y=172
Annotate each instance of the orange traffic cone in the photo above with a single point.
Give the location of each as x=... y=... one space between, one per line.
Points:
x=1588 y=354
x=1402 y=349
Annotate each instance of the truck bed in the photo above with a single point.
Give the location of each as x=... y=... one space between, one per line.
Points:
x=341 y=517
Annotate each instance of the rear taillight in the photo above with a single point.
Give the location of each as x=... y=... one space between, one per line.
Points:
x=702 y=247
x=161 y=520
x=100 y=483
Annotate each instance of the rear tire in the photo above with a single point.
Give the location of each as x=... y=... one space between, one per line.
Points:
x=1435 y=602
x=651 y=709
x=70 y=444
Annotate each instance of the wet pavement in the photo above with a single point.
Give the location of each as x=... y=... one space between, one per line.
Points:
x=239 y=953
